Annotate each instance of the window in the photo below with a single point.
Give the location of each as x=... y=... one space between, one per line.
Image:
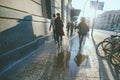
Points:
x=46 y=8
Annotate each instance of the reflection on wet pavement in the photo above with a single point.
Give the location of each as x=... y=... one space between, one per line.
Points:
x=62 y=60
x=68 y=63
x=79 y=59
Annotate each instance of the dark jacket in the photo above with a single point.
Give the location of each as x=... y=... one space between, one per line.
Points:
x=59 y=26
x=83 y=28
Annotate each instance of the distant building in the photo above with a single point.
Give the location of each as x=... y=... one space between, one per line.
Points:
x=109 y=20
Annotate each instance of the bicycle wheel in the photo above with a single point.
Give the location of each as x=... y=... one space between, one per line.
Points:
x=108 y=47
x=112 y=44
x=112 y=38
x=108 y=39
x=115 y=59
x=103 y=49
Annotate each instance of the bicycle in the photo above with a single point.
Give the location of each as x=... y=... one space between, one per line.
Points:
x=109 y=48
x=105 y=48
x=115 y=56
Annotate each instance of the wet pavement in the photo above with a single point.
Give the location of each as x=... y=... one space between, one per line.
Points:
x=68 y=63
x=77 y=65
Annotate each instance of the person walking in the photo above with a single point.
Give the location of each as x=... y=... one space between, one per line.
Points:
x=83 y=30
x=71 y=28
x=68 y=28
x=52 y=24
x=59 y=29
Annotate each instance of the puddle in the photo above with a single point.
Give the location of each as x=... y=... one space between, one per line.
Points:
x=70 y=62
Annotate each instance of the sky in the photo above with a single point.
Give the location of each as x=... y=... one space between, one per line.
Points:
x=109 y=4
x=86 y=11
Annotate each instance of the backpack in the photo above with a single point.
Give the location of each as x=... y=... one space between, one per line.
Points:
x=83 y=28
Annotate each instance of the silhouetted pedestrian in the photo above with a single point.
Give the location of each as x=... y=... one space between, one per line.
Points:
x=59 y=29
x=83 y=30
x=71 y=28
x=52 y=24
x=68 y=28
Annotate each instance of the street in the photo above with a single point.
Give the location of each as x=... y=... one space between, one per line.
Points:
x=47 y=63
x=39 y=40
x=100 y=35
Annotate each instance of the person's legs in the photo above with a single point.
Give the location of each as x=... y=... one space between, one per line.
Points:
x=61 y=40
x=83 y=42
x=84 y=39
x=68 y=33
x=79 y=40
x=57 y=38
x=71 y=32
x=54 y=35
x=80 y=43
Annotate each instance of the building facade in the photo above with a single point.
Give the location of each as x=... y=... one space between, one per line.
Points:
x=110 y=20
x=24 y=25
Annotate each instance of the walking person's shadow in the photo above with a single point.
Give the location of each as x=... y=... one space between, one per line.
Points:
x=17 y=35
x=13 y=38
